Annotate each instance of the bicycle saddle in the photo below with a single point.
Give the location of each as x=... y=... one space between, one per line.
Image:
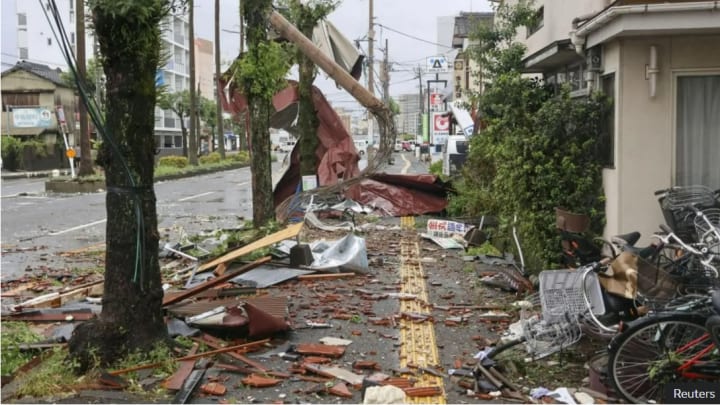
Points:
x=643 y=252
x=627 y=238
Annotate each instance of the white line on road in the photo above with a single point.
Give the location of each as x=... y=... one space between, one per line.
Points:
x=75 y=228
x=196 y=196
x=407 y=164
x=245 y=183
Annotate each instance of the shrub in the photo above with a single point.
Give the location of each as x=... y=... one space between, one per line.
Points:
x=11 y=153
x=242 y=156
x=173 y=161
x=210 y=159
x=436 y=168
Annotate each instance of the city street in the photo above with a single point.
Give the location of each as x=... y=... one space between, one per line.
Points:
x=37 y=226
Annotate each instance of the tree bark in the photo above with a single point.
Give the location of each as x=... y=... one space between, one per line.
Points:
x=132 y=316
x=308 y=121
x=260 y=108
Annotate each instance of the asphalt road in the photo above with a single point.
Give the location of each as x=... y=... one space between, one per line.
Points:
x=36 y=226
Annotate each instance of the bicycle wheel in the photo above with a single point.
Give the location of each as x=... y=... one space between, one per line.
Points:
x=648 y=355
x=713 y=326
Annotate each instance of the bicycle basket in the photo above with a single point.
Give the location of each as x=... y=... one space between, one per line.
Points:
x=685 y=196
x=561 y=294
x=708 y=229
x=543 y=337
x=570 y=222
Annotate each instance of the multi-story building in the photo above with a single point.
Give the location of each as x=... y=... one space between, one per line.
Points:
x=26 y=35
x=658 y=61
x=407 y=121
x=176 y=76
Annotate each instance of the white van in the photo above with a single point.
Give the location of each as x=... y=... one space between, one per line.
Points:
x=361 y=146
x=287 y=147
x=454 y=153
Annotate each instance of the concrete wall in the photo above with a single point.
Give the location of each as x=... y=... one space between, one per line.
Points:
x=645 y=126
x=557 y=22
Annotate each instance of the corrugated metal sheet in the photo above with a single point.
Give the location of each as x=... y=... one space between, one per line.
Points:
x=266 y=276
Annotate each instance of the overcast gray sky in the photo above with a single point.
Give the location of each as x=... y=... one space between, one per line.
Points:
x=403 y=19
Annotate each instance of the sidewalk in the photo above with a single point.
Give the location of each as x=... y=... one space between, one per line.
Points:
x=8 y=175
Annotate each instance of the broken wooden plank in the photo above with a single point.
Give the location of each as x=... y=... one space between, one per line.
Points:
x=175 y=381
x=37 y=316
x=254 y=380
x=210 y=283
x=220 y=269
x=287 y=233
x=57 y=299
x=193 y=357
x=416 y=392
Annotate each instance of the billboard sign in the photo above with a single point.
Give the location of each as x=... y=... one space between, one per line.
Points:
x=437 y=64
x=36 y=117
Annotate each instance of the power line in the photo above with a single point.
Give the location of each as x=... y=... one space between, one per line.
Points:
x=412 y=36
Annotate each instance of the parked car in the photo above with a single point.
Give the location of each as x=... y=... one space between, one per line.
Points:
x=398 y=145
x=408 y=146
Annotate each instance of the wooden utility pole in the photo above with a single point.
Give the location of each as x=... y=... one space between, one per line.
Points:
x=192 y=143
x=386 y=76
x=218 y=104
x=86 y=165
x=371 y=58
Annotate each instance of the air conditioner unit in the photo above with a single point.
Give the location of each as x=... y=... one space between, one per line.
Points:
x=594 y=59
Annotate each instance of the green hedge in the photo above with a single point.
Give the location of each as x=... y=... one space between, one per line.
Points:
x=213 y=157
x=173 y=161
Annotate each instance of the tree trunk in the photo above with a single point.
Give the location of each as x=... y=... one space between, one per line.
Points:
x=255 y=13
x=308 y=121
x=132 y=316
x=86 y=163
x=193 y=145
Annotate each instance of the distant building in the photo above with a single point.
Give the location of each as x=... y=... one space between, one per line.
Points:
x=408 y=120
x=31 y=95
x=176 y=76
x=345 y=118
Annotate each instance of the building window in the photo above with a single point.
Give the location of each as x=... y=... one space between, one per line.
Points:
x=167 y=141
x=23 y=53
x=537 y=22
x=607 y=134
x=72 y=37
x=19 y=99
x=22 y=19
x=178 y=141
x=697 y=129
x=49 y=41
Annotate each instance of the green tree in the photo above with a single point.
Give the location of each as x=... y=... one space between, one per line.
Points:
x=130 y=38
x=306 y=15
x=539 y=149
x=260 y=73
x=179 y=103
x=208 y=115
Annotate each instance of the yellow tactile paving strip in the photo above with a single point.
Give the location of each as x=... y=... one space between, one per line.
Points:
x=418 y=346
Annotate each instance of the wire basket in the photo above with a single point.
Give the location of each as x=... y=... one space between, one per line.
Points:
x=554 y=322
x=686 y=196
x=561 y=294
x=708 y=229
x=676 y=208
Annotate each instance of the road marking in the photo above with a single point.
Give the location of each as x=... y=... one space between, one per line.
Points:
x=75 y=228
x=196 y=196
x=417 y=339
x=245 y=183
x=407 y=164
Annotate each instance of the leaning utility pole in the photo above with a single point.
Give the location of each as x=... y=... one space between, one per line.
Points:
x=421 y=117
x=86 y=165
x=218 y=104
x=192 y=143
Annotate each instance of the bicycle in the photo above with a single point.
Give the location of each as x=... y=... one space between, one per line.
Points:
x=672 y=347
